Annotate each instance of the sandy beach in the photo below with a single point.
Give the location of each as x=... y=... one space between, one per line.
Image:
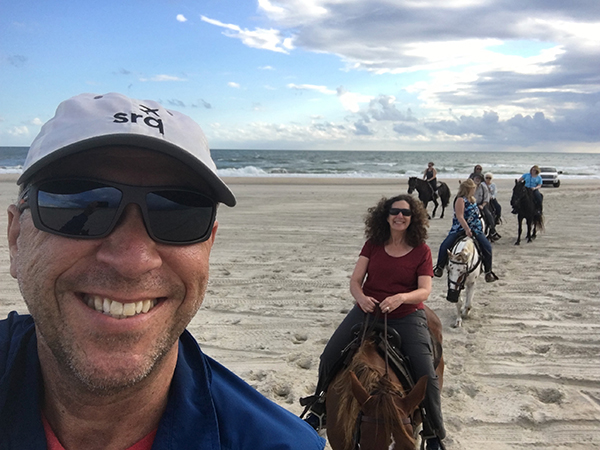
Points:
x=524 y=370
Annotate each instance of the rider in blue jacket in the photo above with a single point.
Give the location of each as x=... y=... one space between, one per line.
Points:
x=533 y=181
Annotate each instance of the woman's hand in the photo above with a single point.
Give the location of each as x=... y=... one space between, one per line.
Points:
x=367 y=304
x=468 y=232
x=391 y=303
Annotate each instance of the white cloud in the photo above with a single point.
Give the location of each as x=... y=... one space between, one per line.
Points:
x=312 y=87
x=233 y=85
x=161 y=78
x=465 y=54
x=261 y=38
x=351 y=101
x=294 y=9
x=18 y=131
x=181 y=18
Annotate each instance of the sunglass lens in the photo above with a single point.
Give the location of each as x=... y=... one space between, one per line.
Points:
x=77 y=208
x=405 y=211
x=180 y=216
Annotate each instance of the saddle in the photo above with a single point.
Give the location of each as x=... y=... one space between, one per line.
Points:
x=399 y=363
x=460 y=236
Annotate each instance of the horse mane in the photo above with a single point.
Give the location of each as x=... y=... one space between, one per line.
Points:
x=375 y=383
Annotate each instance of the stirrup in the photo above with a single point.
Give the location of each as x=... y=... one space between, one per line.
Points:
x=316 y=421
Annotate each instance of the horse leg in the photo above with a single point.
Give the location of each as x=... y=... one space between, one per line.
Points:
x=469 y=293
x=435 y=207
x=458 y=322
x=425 y=203
x=443 y=209
x=534 y=235
x=520 y=220
x=529 y=230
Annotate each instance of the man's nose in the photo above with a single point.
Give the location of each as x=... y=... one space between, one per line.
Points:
x=129 y=249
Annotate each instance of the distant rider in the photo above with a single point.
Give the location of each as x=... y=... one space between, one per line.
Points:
x=477 y=170
x=494 y=205
x=533 y=181
x=482 y=198
x=430 y=175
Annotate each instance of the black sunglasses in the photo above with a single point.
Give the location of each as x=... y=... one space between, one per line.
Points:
x=405 y=212
x=85 y=208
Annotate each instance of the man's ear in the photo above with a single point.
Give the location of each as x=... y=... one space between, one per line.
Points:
x=213 y=234
x=13 y=231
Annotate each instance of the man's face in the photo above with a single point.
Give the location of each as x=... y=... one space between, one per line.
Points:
x=61 y=277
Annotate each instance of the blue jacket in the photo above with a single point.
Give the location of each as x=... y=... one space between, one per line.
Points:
x=209 y=407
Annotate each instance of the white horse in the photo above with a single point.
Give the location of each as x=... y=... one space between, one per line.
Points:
x=464 y=266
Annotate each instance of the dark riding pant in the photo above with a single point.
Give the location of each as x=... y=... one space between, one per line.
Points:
x=416 y=345
x=433 y=184
x=448 y=243
x=496 y=207
x=538 y=198
x=489 y=219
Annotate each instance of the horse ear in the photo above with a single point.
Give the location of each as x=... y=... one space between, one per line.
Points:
x=449 y=253
x=416 y=395
x=358 y=390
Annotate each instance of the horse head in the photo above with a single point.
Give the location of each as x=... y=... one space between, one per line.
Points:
x=384 y=419
x=458 y=267
x=412 y=184
x=518 y=192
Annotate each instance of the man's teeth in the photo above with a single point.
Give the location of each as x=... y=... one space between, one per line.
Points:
x=118 y=309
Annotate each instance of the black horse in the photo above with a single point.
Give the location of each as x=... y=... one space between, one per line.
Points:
x=426 y=193
x=523 y=203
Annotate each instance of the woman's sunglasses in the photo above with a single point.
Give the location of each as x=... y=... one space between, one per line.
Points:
x=84 y=208
x=405 y=212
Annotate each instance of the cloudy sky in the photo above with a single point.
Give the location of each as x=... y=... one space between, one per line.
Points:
x=477 y=75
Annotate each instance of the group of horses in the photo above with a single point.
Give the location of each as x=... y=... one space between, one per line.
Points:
x=464 y=261
x=522 y=201
x=368 y=406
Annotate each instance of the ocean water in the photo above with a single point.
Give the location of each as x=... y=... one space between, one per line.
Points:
x=372 y=164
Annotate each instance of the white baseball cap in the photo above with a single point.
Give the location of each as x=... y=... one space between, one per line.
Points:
x=89 y=121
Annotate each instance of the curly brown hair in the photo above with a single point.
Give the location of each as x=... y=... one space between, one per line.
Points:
x=377 y=227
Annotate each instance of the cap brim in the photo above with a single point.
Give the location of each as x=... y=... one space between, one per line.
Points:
x=220 y=191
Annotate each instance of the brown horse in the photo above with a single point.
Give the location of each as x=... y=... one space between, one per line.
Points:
x=368 y=408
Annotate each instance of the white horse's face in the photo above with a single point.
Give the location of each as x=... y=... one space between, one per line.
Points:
x=457 y=267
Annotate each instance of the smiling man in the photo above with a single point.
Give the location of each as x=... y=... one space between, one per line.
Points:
x=110 y=243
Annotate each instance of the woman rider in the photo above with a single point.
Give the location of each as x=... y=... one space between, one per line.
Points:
x=533 y=181
x=430 y=175
x=495 y=206
x=394 y=274
x=466 y=220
